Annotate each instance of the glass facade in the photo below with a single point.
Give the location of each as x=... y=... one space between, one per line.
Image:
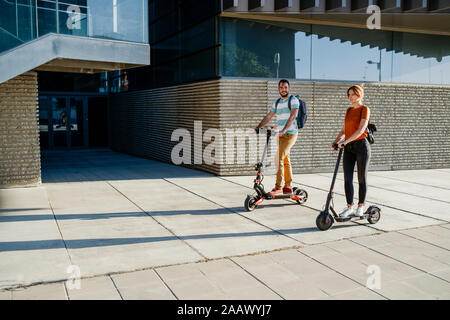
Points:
x=24 y=20
x=266 y=49
x=184 y=46
x=72 y=82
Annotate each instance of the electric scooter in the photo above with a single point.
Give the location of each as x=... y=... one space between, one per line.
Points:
x=325 y=220
x=252 y=201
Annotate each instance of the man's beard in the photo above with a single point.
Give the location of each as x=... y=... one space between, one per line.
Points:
x=284 y=95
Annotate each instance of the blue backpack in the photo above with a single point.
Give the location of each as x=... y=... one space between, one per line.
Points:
x=301 y=115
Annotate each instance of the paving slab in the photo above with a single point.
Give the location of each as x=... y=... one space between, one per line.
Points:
x=436 y=235
x=435 y=207
x=429 y=177
x=142 y=285
x=396 y=279
x=293 y=275
x=5 y=295
x=212 y=230
x=98 y=288
x=31 y=249
x=421 y=255
x=220 y=279
x=423 y=287
x=385 y=184
x=104 y=232
x=54 y=291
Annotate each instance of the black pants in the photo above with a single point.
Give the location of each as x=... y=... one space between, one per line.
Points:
x=356 y=152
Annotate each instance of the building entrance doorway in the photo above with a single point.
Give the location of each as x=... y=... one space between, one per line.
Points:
x=63 y=122
x=72 y=121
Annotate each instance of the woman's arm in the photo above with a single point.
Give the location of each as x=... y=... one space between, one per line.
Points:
x=340 y=136
x=362 y=127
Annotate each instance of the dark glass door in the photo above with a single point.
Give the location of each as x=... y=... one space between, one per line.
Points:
x=76 y=128
x=63 y=122
x=59 y=122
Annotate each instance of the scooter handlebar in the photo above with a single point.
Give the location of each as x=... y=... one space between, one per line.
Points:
x=269 y=130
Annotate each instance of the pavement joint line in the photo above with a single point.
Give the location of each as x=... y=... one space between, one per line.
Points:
x=379 y=204
x=392 y=190
x=59 y=229
x=430 y=243
x=403 y=262
x=256 y=278
x=342 y=274
x=149 y=214
x=235 y=212
x=66 y=291
x=422 y=184
x=165 y=284
x=115 y=286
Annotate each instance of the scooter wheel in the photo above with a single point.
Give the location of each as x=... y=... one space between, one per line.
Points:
x=324 y=221
x=302 y=194
x=374 y=215
x=249 y=203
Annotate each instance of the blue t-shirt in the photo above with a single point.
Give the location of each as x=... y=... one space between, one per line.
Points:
x=283 y=114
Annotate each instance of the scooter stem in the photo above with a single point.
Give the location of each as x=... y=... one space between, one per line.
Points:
x=336 y=169
x=269 y=133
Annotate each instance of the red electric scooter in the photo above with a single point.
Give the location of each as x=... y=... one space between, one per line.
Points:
x=252 y=201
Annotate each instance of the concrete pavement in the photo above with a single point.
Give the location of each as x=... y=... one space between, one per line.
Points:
x=133 y=228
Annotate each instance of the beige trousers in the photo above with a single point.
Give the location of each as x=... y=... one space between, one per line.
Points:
x=285 y=143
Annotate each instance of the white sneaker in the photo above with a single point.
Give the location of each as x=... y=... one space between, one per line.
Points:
x=347 y=212
x=359 y=211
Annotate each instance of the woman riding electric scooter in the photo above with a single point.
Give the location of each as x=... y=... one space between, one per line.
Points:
x=356 y=149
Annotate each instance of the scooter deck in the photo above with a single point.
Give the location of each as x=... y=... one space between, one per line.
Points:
x=281 y=196
x=365 y=216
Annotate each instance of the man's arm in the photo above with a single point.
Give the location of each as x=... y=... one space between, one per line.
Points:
x=292 y=117
x=266 y=119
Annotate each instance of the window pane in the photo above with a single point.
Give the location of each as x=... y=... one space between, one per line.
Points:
x=319 y=52
x=429 y=64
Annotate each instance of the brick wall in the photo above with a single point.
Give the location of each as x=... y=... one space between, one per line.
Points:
x=413 y=121
x=19 y=132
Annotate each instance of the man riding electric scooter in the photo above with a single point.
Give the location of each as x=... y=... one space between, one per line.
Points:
x=287 y=135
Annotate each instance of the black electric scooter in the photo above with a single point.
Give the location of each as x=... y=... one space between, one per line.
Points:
x=325 y=220
x=252 y=201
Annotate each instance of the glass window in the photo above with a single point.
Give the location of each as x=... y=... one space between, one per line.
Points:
x=198 y=66
x=242 y=56
x=421 y=58
x=319 y=52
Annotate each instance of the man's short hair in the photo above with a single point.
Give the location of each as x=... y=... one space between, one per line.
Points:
x=284 y=81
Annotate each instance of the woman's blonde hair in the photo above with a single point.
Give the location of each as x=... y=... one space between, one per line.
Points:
x=358 y=89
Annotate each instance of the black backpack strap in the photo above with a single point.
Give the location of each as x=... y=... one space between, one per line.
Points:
x=289 y=103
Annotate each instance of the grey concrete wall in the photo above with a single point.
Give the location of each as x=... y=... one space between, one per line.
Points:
x=413 y=121
x=20 y=162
